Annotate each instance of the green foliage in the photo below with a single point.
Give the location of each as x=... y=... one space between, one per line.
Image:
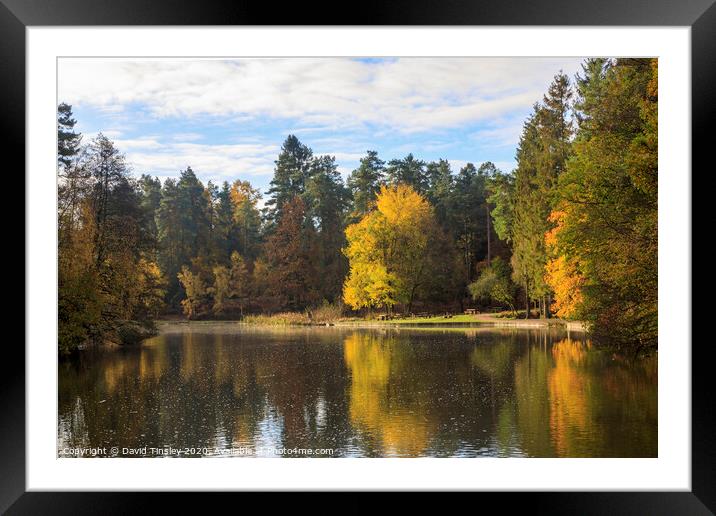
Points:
x=494 y=285
x=293 y=168
x=328 y=200
x=440 y=189
x=501 y=188
x=68 y=142
x=184 y=227
x=364 y=183
x=408 y=171
x=544 y=147
x=468 y=216
x=609 y=193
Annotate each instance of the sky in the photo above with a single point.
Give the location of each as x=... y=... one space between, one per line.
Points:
x=227 y=118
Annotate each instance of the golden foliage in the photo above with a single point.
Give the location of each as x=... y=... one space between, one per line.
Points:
x=400 y=429
x=195 y=289
x=242 y=192
x=388 y=249
x=564 y=279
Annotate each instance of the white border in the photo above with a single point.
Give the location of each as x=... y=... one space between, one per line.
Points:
x=670 y=471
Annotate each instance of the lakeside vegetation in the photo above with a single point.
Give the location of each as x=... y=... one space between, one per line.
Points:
x=337 y=317
x=571 y=232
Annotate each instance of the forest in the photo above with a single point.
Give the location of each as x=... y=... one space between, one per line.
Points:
x=571 y=232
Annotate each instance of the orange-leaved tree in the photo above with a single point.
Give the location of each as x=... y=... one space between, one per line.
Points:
x=562 y=272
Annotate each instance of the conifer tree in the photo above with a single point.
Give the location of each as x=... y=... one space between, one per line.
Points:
x=293 y=168
x=68 y=141
x=408 y=171
x=364 y=183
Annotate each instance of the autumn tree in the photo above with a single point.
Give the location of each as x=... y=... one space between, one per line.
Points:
x=107 y=272
x=74 y=180
x=389 y=250
x=197 y=292
x=562 y=272
x=220 y=289
x=291 y=257
x=239 y=281
x=246 y=218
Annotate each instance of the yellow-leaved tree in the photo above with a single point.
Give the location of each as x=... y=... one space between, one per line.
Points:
x=389 y=250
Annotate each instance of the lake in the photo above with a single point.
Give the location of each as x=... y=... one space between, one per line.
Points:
x=225 y=389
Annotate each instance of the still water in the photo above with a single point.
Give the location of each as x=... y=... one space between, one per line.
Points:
x=232 y=390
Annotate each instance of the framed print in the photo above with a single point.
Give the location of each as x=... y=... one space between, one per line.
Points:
x=419 y=249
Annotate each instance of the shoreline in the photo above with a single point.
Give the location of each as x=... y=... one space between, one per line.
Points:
x=531 y=324
x=482 y=322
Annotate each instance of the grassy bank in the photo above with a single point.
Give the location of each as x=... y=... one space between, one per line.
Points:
x=437 y=319
x=502 y=319
x=281 y=319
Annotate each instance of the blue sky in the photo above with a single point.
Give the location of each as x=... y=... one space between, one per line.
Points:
x=227 y=118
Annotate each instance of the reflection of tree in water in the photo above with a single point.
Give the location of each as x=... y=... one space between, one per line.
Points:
x=570 y=417
x=200 y=390
x=394 y=392
x=398 y=424
x=573 y=401
x=439 y=393
x=300 y=380
x=495 y=363
x=532 y=403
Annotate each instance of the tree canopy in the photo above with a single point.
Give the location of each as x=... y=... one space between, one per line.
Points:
x=570 y=232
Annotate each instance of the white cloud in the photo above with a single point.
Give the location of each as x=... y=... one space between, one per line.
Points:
x=187 y=137
x=135 y=143
x=407 y=94
x=500 y=136
x=112 y=134
x=216 y=162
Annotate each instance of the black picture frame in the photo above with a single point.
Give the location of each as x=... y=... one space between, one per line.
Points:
x=700 y=15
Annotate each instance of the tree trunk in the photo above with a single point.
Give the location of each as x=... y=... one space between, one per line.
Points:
x=548 y=315
x=527 y=304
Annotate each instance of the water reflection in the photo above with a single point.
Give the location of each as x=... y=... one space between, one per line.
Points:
x=381 y=393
